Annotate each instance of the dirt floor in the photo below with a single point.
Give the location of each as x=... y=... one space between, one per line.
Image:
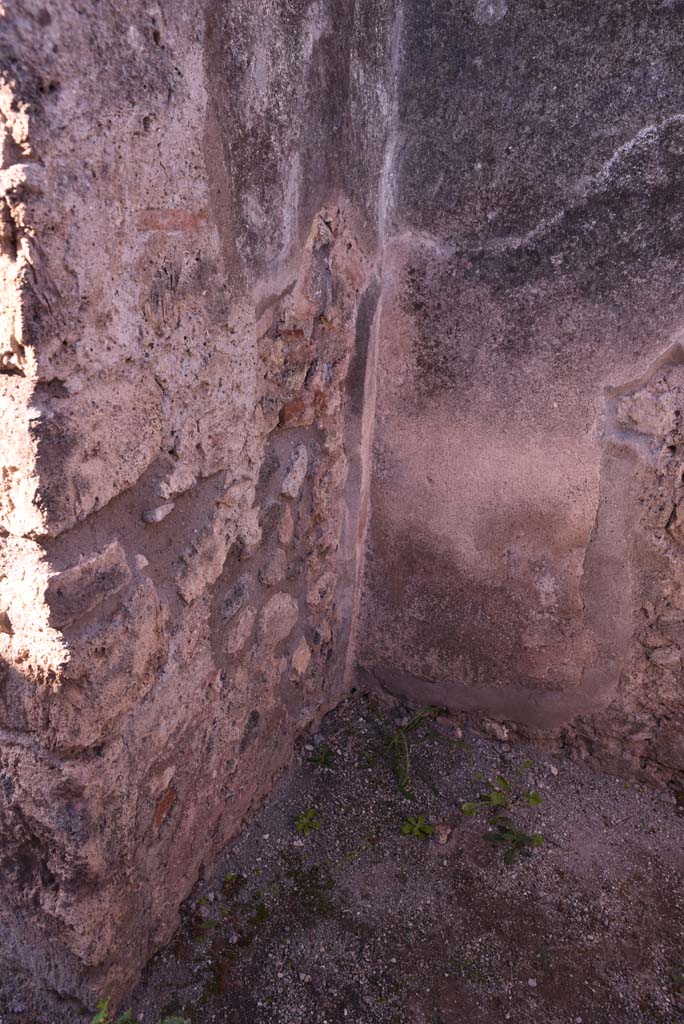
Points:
x=352 y=921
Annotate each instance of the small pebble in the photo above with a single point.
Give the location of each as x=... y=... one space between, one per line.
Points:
x=442 y=833
x=532 y=982
x=155 y=515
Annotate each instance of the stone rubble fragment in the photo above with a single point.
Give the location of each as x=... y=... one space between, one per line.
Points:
x=156 y=515
x=236 y=596
x=180 y=479
x=273 y=570
x=240 y=630
x=77 y=590
x=295 y=473
x=301 y=657
x=286 y=526
x=278 y=618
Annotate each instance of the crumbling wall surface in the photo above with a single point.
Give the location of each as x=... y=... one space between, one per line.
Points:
x=240 y=240
x=525 y=546
x=188 y=253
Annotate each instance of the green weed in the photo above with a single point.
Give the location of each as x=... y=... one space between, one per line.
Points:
x=204 y=928
x=232 y=884
x=514 y=840
x=308 y=821
x=498 y=800
x=417 y=827
x=103 y=1016
x=398 y=748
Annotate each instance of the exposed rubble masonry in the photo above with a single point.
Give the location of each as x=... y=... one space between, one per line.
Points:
x=339 y=345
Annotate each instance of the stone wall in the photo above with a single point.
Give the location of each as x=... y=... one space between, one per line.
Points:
x=189 y=258
x=279 y=278
x=525 y=556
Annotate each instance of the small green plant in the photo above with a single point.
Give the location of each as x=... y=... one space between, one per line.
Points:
x=514 y=840
x=204 y=928
x=500 y=794
x=398 y=748
x=678 y=982
x=308 y=821
x=103 y=1016
x=418 y=827
x=323 y=757
x=260 y=914
x=233 y=884
x=498 y=800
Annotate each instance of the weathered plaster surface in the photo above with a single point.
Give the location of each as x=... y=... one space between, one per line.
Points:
x=338 y=340
x=524 y=557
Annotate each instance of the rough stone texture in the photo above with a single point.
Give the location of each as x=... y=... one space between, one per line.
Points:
x=189 y=209
x=525 y=550
x=274 y=272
